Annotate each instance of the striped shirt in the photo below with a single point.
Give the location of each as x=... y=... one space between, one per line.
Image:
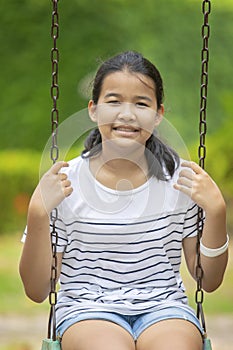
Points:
x=121 y=249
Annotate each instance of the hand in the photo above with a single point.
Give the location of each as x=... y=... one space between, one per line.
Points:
x=53 y=188
x=198 y=185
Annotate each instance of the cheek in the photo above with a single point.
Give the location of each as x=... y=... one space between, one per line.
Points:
x=105 y=131
x=105 y=115
x=147 y=134
x=147 y=124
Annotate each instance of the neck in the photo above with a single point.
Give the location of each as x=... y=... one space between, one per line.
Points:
x=121 y=173
x=125 y=161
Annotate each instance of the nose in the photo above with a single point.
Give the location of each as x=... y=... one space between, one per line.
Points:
x=126 y=111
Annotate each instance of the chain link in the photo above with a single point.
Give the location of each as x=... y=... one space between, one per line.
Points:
x=54 y=154
x=54 y=91
x=206 y=8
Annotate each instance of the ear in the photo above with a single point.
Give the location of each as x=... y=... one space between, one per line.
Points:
x=159 y=115
x=92 y=110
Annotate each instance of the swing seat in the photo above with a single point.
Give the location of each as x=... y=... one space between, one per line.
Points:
x=49 y=344
x=207 y=344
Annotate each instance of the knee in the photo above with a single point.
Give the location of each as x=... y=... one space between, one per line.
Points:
x=97 y=335
x=170 y=334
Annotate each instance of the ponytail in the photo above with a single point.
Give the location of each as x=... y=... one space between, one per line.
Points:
x=162 y=160
x=92 y=144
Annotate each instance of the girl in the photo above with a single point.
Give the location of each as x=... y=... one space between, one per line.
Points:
x=126 y=208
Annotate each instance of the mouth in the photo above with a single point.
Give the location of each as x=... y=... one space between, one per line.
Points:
x=126 y=129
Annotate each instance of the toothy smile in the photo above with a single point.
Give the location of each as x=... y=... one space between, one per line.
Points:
x=126 y=129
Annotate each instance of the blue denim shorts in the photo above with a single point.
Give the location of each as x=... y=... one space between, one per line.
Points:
x=135 y=324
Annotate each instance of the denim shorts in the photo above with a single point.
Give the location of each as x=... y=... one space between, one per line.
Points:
x=135 y=324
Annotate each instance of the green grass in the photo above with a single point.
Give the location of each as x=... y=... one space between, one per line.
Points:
x=14 y=301
x=12 y=297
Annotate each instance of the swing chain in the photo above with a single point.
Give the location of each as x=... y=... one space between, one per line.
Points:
x=54 y=154
x=54 y=91
x=206 y=8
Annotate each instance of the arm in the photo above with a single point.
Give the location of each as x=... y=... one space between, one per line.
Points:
x=36 y=259
x=202 y=189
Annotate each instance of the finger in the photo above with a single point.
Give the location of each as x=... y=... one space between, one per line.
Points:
x=67 y=191
x=62 y=176
x=66 y=183
x=183 y=189
x=57 y=167
x=187 y=174
x=193 y=166
x=183 y=181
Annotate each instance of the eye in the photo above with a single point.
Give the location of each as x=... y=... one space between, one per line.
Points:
x=113 y=102
x=142 y=104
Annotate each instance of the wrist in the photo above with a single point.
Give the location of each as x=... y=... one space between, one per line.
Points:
x=214 y=252
x=217 y=208
x=37 y=207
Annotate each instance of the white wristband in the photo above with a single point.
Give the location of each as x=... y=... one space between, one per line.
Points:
x=213 y=252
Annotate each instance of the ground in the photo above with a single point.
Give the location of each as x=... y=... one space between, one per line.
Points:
x=26 y=333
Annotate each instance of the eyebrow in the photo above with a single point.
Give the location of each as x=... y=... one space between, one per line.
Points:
x=112 y=94
x=144 y=98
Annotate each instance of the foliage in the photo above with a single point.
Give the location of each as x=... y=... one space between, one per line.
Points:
x=19 y=173
x=167 y=32
x=219 y=155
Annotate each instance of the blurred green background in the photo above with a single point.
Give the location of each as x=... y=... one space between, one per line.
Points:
x=166 y=32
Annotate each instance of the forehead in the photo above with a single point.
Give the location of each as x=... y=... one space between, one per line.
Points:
x=125 y=81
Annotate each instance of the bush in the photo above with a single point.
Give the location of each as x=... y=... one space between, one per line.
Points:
x=19 y=174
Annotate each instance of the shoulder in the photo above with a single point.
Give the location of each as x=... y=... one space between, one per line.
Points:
x=180 y=199
x=172 y=178
x=75 y=161
x=178 y=169
x=74 y=166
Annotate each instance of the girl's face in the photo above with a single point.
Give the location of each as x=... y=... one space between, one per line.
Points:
x=126 y=112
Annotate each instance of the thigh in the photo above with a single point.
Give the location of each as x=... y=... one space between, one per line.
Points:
x=97 y=335
x=175 y=334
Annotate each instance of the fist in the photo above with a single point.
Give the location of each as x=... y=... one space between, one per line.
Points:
x=198 y=185
x=53 y=187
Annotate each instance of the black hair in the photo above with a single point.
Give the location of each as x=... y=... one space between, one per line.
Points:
x=162 y=160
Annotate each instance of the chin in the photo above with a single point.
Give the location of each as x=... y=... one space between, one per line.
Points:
x=124 y=145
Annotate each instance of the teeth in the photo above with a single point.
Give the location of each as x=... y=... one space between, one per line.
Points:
x=125 y=129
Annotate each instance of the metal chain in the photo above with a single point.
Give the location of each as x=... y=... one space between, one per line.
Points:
x=54 y=91
x=54 y=154
x=206 y=8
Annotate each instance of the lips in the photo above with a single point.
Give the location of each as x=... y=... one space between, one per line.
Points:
x=125 y=128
